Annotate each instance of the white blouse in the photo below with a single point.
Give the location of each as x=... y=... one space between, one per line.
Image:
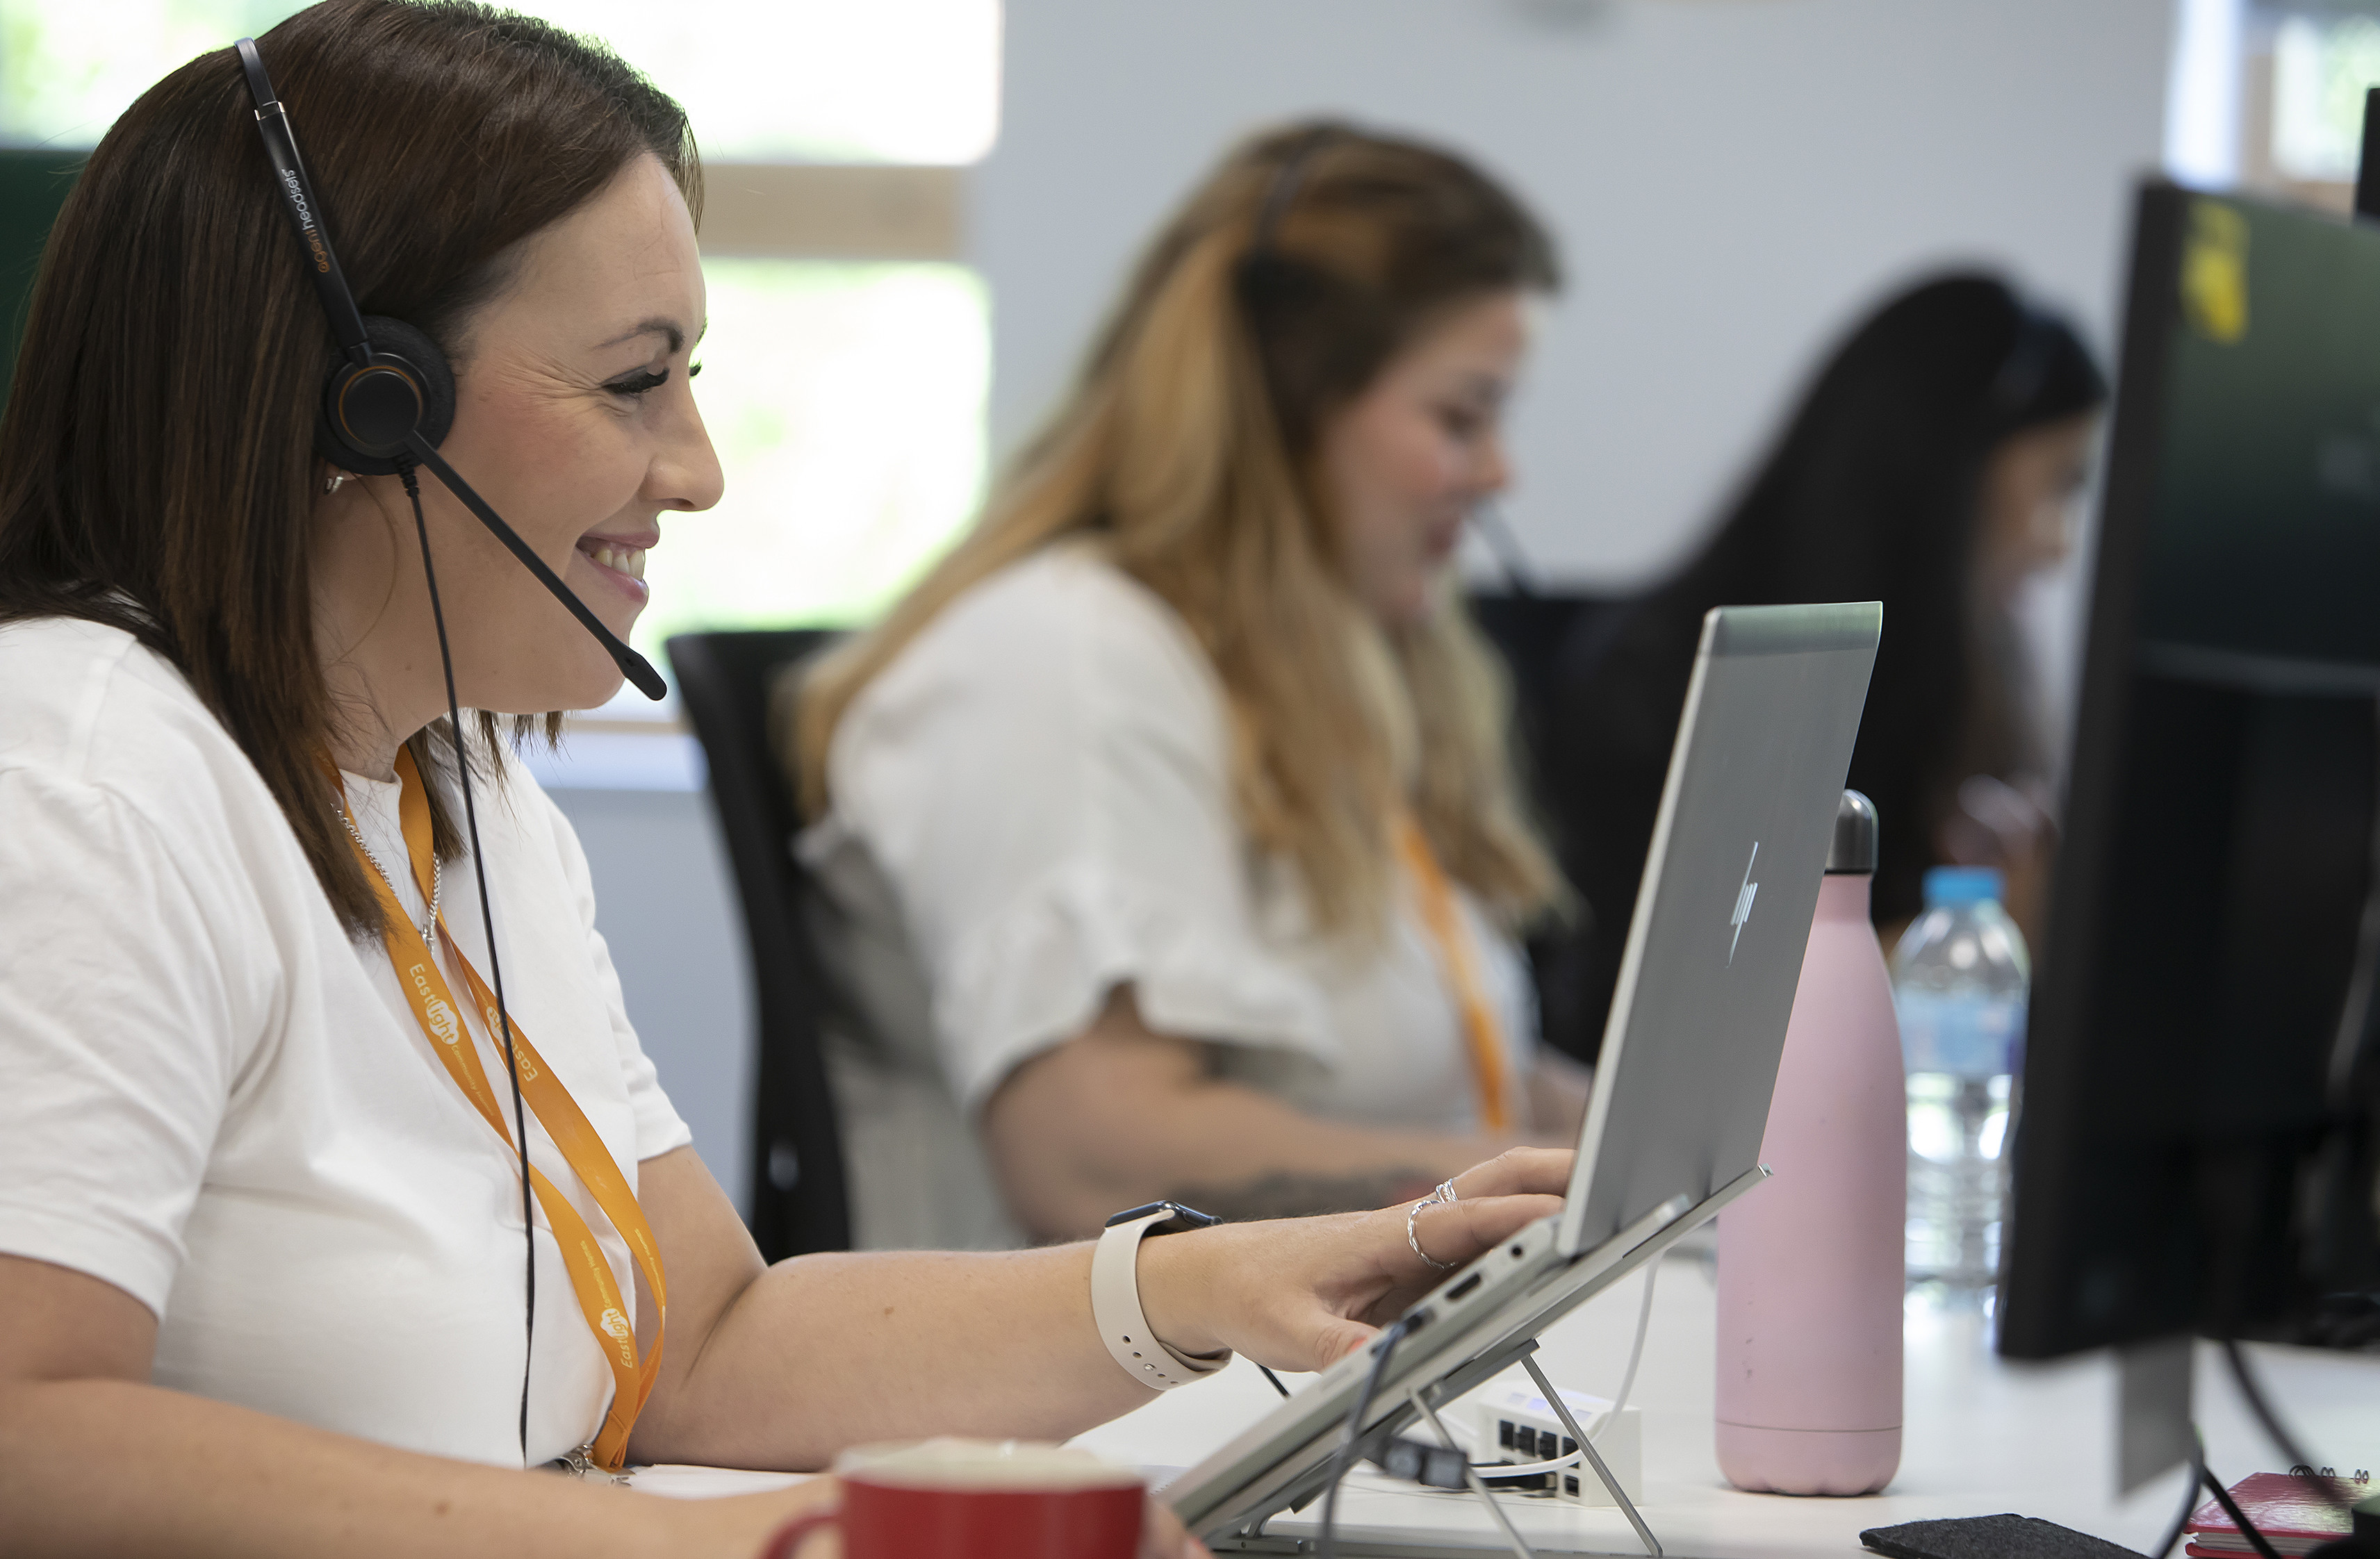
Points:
x=1032 y=805
x=220 y=1103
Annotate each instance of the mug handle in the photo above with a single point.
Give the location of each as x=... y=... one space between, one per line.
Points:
x=786 y=1539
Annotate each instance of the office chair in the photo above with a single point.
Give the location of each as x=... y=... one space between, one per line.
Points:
x=1533 y=629
x=799 y=1202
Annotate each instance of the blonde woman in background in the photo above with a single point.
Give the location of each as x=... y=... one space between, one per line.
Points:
x=1167 y=835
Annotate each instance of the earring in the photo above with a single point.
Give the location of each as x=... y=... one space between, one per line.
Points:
x=338 y=479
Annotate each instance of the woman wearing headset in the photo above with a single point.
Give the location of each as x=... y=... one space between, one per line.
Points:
x=1167 y=829
x=261 y=1257
x=1934 y=465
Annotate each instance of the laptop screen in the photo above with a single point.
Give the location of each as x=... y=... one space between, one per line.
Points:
x=1714 y=954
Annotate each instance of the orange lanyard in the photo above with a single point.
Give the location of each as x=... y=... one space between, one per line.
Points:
x=434 y=1006
x=1454 y=956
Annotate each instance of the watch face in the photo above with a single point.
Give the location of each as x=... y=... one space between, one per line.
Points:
x=1181 y=1218
x=1185 y=1219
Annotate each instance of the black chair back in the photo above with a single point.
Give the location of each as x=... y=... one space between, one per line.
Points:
x=799 y=1201
x=1535 y=631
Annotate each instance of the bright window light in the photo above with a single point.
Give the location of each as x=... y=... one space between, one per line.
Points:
x=814 y=80
x=765 y=80
x=846 y=401
x=2321 y=70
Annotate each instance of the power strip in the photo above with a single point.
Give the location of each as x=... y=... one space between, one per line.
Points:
x=1517 y=1425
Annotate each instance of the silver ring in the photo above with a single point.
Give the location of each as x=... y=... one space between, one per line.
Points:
x=1445 y=1192
x=1414 y=1239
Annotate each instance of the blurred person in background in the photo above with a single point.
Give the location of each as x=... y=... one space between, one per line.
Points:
x=1935 y=466
x=1166 y=833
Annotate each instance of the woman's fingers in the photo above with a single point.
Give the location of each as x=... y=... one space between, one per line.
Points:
x=1518 y=1172
x=1302 y=1293
x=1451 y=1234
x=1381 y=1275
x=1336 y=1337
x=1163 y=1537
x=796 y=1523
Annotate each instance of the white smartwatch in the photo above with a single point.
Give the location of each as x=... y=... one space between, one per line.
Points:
x=1115 y=1298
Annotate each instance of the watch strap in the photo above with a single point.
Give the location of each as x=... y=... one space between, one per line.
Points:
x=1116 y=1310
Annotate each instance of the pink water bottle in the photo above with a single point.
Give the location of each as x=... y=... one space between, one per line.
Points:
x=1810 y=1262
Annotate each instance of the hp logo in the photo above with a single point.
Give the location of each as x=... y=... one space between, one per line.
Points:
x=1744 y=897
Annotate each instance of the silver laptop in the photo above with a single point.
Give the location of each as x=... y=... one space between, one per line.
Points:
x=1689 y=1061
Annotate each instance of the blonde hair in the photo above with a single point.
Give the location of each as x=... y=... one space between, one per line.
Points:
x=1305 y=262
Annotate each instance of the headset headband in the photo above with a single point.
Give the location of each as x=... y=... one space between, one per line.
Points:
x=2021 y=373
x=1286 y=181
x=297 y=198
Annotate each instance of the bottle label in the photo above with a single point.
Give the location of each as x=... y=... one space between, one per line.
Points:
x=1964 y=1035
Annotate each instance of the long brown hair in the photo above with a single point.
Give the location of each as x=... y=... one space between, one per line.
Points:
x=157 y=464
x=1188 y=449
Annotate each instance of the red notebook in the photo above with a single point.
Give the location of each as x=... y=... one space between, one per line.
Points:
x=2293 y=1518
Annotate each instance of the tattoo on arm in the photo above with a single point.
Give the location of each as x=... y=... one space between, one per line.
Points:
x=1281 y=1195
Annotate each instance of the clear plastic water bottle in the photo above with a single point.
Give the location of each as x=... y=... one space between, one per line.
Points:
x=1959 y=984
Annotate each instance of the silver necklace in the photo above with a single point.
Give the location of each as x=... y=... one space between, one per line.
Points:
x=437 y=876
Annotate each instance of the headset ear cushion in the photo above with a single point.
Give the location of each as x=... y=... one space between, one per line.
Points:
x=422 y=362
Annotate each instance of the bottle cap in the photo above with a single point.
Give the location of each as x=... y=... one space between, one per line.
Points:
x=1961 y=885
x=1853 y=848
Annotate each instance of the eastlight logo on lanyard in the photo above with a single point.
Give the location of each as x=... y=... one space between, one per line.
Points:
x=592 y=1278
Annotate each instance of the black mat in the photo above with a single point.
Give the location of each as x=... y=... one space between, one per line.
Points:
x=1989 y=1537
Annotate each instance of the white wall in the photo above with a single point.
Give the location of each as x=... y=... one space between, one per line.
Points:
x=667 y=909
x=1731 y=180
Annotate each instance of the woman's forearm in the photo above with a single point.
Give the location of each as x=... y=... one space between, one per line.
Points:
x=825 y=1352
x=115 y=1470
x=1119 y=1116
x=1242 y=1153
x=1223 y=1147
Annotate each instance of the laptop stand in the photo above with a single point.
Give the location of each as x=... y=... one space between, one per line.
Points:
x=1527 y=1350
x=1426 y=1399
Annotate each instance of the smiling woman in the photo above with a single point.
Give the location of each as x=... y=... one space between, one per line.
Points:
x=575 y=418
x=261 y=1217
x=1167 y=829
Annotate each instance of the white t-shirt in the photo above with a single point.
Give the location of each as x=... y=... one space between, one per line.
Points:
x=1033 y=805
x=219 y=1102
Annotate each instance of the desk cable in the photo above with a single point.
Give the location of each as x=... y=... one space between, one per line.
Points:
x=1326 y=1544
x=2324 y=1487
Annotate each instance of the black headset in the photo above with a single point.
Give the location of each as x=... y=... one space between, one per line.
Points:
x=1268 y=279
x=389 y=399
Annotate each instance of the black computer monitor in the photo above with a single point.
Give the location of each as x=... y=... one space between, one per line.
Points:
x=2195 y=1142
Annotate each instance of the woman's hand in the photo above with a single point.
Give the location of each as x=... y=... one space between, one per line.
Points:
x=1302 y=1293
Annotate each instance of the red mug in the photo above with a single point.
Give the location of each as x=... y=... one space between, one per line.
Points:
x=976 y=1499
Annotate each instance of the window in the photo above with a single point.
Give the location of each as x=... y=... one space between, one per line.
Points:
x=846 y=372
x=900 y=81
x=2322 y=68
x=846 y=401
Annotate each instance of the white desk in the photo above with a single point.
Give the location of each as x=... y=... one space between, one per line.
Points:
x=1981 y=1436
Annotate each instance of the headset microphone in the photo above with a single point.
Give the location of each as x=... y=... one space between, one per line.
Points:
x=390 y=400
